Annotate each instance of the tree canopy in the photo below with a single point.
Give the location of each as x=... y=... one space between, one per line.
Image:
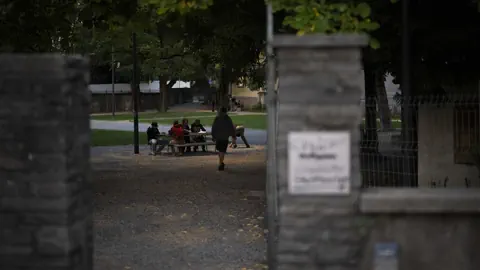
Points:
x=225 y=39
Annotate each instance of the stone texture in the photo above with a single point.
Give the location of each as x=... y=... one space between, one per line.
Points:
x=420 y=201
x=45 y=190
x=321 y=85
x=319 y=41
x=434 y=228
x=428 y=241
x=53 y=241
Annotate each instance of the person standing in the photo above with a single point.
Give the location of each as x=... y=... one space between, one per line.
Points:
x=222 y=130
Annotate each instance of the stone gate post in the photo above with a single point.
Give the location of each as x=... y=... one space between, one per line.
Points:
x=318 y=150
x=45 y=190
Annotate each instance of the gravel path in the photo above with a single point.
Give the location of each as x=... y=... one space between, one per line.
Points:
x=164 y=212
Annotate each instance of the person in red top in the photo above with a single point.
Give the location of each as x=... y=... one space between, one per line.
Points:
x=176 y=132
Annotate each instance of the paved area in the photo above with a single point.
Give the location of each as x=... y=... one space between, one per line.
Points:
x=165 y=212
x=195 y=107
x=254 y=136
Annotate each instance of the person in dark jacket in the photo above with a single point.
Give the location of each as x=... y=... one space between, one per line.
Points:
x=195 y=128
x=222 y=130
x=153 y=139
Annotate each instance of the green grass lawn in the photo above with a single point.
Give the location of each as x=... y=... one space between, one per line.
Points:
x=395 y=124
x=249 y=121
x=150 y=115
x=113 y=137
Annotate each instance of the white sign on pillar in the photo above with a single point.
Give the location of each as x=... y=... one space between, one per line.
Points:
x=319 y=162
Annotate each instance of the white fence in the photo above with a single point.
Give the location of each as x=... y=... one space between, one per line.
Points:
x=152 y=87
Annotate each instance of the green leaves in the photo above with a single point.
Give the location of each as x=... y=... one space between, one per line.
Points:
x=368 y=26
x=326 y=17
x=162 y=10
x=180 y=6
x=363 y=10
x=374 y=43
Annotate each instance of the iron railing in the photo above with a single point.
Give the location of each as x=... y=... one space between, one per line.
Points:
x=438 y=146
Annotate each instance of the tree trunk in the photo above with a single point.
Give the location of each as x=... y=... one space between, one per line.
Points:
x=222 y=91
x=164 y=90
x=371 y=135
x=383 y=107
x=164 y=94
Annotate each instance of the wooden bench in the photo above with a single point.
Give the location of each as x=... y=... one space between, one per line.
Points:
x=206 y=144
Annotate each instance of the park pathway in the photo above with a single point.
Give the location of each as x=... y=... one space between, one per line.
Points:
x=164 y=212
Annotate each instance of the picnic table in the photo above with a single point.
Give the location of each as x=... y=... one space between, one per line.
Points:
x=208 y=140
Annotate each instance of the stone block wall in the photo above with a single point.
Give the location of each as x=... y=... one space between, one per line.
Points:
x=434 y=228
x=441 y=241
x=45 y=189
x=321 y=85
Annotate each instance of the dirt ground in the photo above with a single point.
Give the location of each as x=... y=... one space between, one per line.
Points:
x=164 y=212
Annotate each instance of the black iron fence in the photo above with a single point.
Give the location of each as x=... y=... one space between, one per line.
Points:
x=434 y=142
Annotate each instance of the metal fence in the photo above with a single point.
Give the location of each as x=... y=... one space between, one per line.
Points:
x=105 y=102
x=433 y=142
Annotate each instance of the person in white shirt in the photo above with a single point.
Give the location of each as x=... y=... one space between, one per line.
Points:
x=240 y=132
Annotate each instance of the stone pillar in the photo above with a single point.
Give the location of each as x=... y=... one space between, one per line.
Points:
x=318 y=173
x=45 y=188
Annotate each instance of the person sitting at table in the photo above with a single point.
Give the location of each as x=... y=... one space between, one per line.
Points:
x=153 y=139
x=196 y=127
x=186 y=133
x=240 y=132
x=178 y=137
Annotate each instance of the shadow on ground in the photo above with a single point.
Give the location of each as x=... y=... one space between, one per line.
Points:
x=168 y=212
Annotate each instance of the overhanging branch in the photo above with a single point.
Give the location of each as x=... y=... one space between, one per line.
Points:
x=170 y=57
x=171 y=83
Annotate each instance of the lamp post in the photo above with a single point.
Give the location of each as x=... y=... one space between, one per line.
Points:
x=271 y=186
x=135 y=94
x=113 y=83
x=407 y=113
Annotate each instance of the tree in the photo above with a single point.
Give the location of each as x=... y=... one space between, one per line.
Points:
x=327 y=17
x=444 y=52
x=165 y=54
x=332 y=17
x=229 y=37
x=37 y=26
x=162 y=53
x=382 y=98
